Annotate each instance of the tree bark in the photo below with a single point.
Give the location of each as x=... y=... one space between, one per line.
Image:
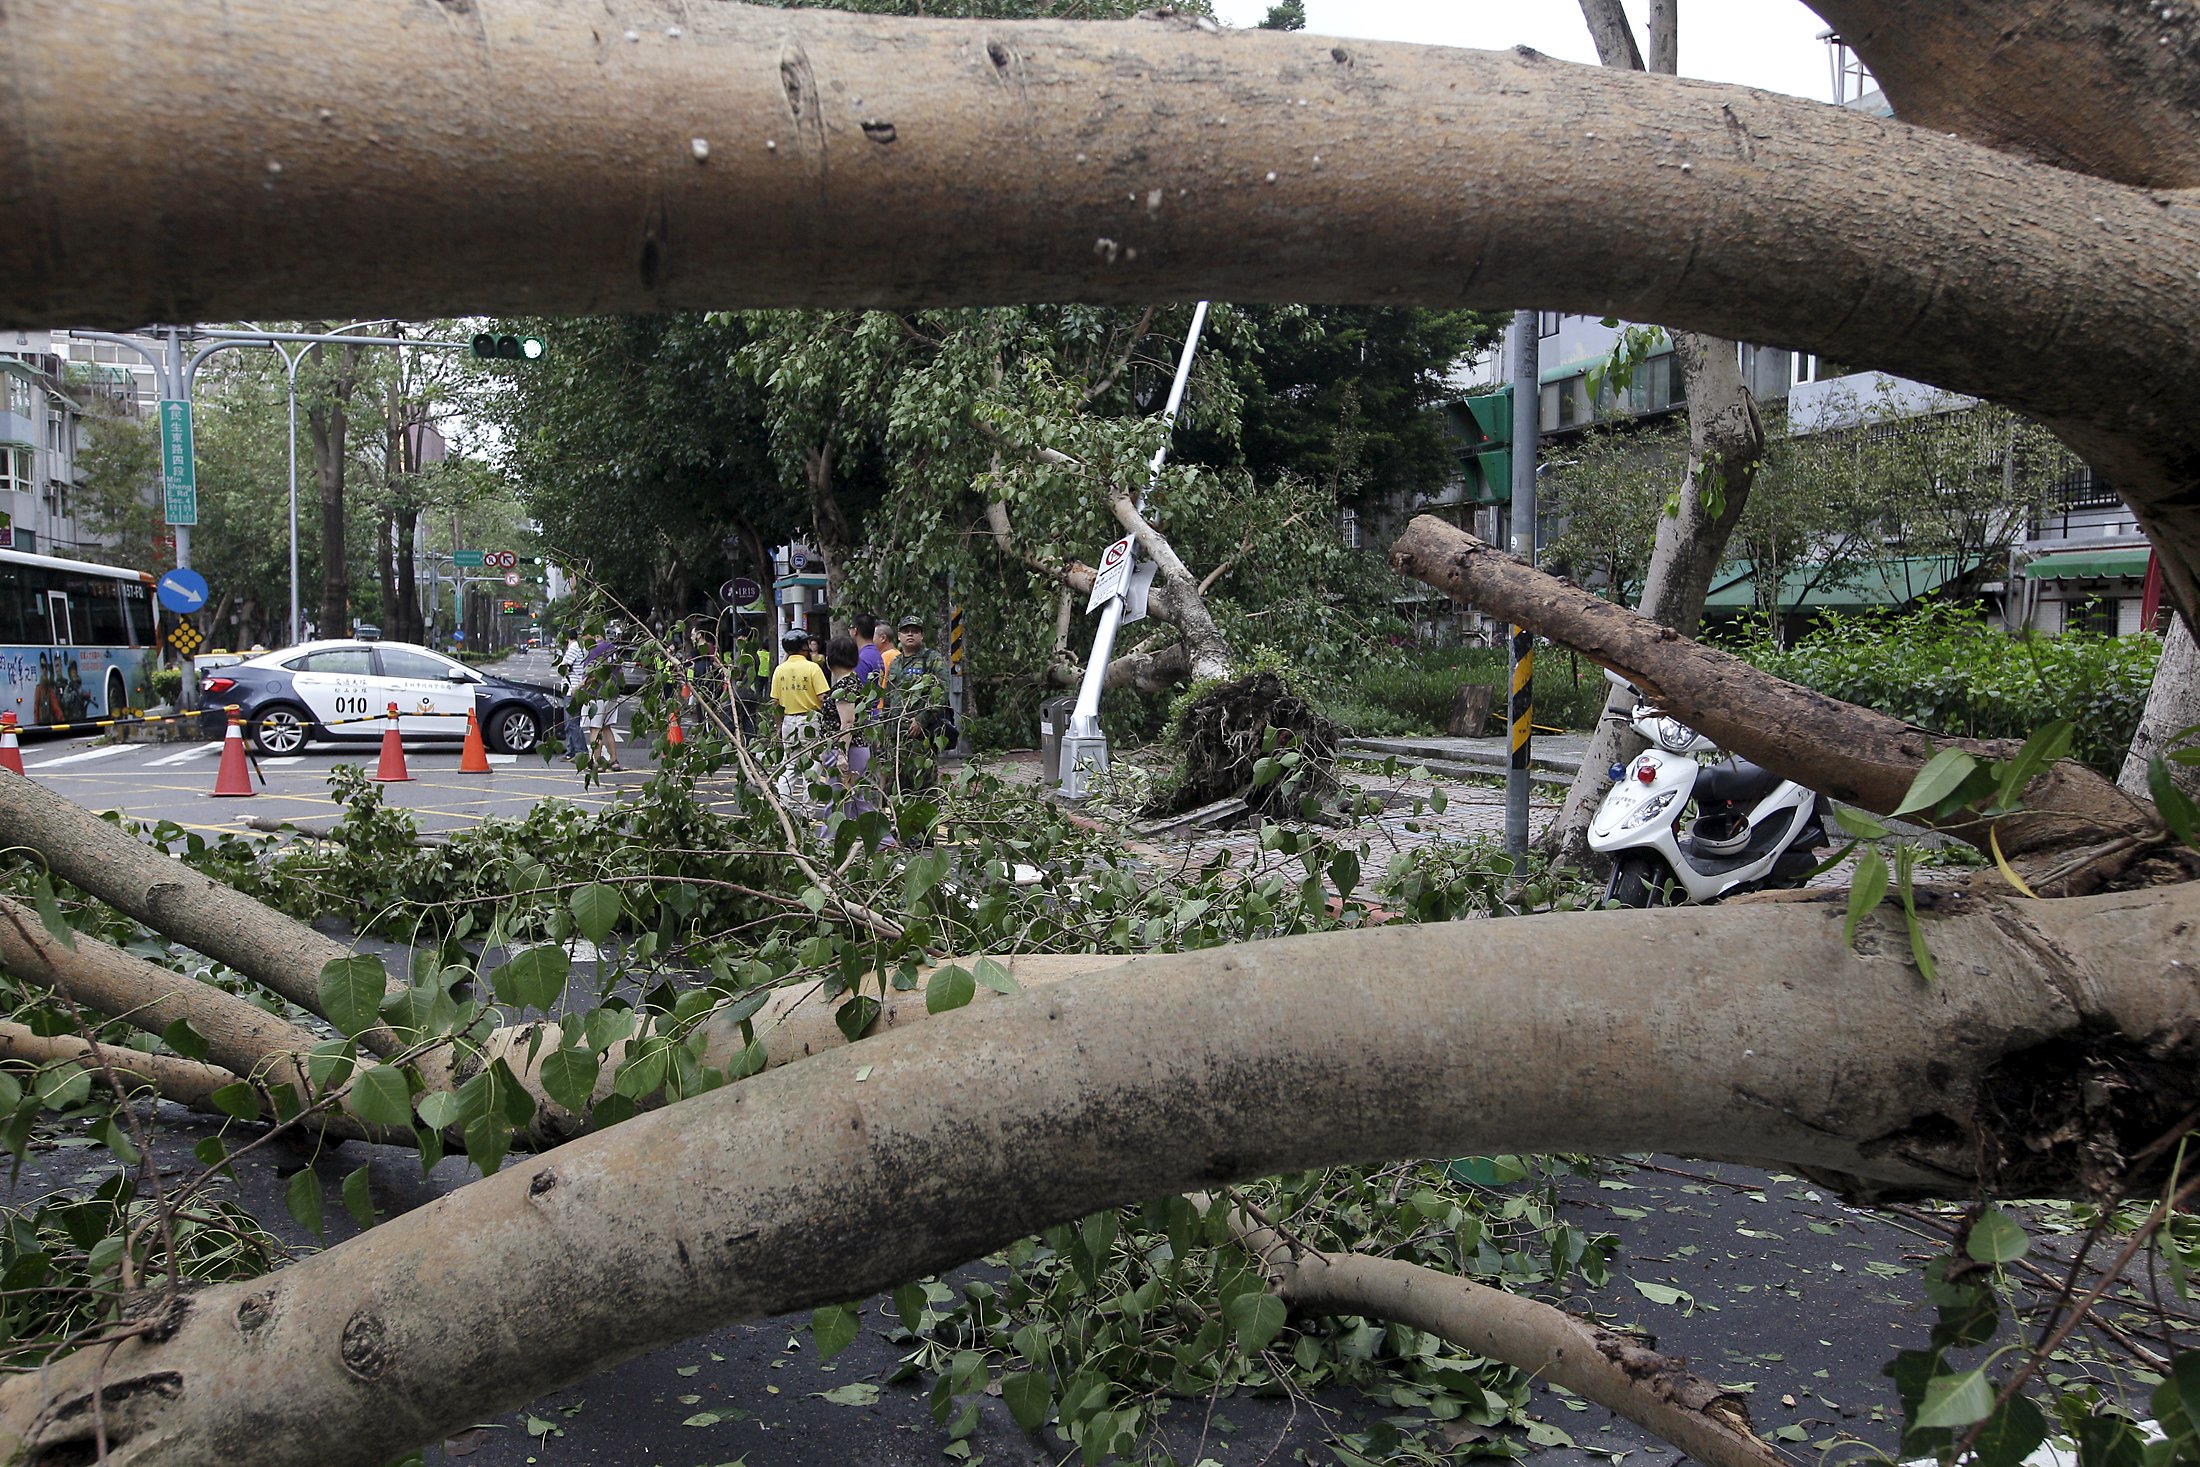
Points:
x=2173 y=708
x=1444 y=177
x=2035 y=79
x=834 y=537
x=186 y=1082
x=1618 y=1372
x=1726 y=443
x=328 y=422
x=1605 y=1032
x=1836 y=748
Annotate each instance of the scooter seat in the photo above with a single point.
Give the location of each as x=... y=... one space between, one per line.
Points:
x=1734 y=781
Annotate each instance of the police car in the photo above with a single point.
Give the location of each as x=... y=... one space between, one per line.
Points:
x=344 y=689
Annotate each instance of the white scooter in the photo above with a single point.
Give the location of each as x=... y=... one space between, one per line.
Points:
x=1752 y=829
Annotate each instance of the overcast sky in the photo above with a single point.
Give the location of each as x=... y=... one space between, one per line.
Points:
x=1761 y=43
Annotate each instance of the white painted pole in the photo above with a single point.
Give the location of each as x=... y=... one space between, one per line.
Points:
x=1084 y=719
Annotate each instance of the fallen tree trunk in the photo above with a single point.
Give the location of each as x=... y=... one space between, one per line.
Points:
x=1836 y=748
x=2057 y=1041
x=187 y=1082
x=280 y=953
x=1618 y=1372
x=1412 y=175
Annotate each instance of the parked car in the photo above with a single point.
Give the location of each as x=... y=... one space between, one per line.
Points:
x=342 y=690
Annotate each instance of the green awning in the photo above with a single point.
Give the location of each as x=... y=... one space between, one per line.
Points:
x=1887 y=583
x=2088 y=565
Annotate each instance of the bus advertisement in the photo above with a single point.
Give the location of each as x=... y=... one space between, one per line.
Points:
x=77 y=640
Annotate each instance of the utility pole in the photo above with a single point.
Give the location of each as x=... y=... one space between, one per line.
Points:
x=1527 y=364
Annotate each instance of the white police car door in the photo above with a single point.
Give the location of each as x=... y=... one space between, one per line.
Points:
x=338 y=687
x=423 y=684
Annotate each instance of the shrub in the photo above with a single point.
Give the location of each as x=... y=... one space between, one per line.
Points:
x=1412 y=692
x=1943 y=669
x=166 y=683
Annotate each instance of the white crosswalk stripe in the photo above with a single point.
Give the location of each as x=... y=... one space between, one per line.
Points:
x=111 y=749
x=196 y=751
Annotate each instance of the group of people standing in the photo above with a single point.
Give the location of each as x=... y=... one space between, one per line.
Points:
x=879 y=699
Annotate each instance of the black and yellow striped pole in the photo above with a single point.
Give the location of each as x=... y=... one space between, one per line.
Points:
x=1520 y=709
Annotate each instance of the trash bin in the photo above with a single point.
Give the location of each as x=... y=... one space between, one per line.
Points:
x=1053 y=724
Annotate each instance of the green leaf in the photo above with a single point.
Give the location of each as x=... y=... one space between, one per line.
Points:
x=50 y=915
x=1255 y=1318
x=1859 y=825
x=950 y=988
x=596 y=910
x=855 y=1016
x=62 y=1085
x=440 y=1109
x=358 y=1201
x=1029 y=1399
x=237 y=1099
x=1941 y=777
x=380 y=1096
x=303 y=1198
x=860 y=1393
x=834 y=1327
x=2176 y=808
x=351 y=992
x=1344 y=873
x=1956 y=1400
x=2042 y=749
x=1867 y=889
x=923 y=873
x=11 y=1093
x=1919 y=952
x=184 y=1040
x=1665 y=1294
x=1996 y=1238
x=994 y=974
x=569 y=1078
x=534 y=979
x=2011 y=1434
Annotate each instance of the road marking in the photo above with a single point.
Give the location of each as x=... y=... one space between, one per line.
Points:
x=504 y=758
x=284 y=759
x=80 y=758
x=199 y=751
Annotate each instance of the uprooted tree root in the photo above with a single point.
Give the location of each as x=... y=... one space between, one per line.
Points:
x=1225 y=734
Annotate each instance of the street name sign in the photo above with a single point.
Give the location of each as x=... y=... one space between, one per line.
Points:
x=179 y=479
x=464 y=558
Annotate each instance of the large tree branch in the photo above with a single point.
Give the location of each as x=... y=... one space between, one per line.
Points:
x=1618 y=1372
x=1412 y=174
x=2097 y=86
x=1836 y=748
x=1605 y=1032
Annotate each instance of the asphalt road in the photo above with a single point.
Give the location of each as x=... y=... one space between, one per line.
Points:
x=175 y=781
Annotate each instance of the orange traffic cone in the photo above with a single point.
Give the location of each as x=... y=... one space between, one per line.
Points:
x=233 y=778
x=392 y=768
x=673 y=736
x=11 y=753
x=474 y=759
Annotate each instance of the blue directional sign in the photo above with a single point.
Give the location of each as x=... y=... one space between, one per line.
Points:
x=182 y=590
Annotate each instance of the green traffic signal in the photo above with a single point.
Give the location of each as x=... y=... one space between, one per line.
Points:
x=490 y=346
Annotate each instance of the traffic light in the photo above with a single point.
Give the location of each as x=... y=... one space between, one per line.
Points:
x=514 y=608
x=489 y=346
x=1487 y=449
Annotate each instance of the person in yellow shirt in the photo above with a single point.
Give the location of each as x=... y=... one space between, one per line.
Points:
x=799 y=688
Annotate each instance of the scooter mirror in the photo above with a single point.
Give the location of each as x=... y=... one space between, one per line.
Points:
x=1619 y=682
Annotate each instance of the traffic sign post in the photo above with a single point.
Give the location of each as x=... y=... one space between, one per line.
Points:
x=511 y=578
x=179 y=478
x=469 y=559
x=740 y=591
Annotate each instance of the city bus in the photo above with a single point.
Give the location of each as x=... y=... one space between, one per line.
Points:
x=77 y=640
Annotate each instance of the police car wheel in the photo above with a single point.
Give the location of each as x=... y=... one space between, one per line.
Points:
x=280 y=729
x=515 y=731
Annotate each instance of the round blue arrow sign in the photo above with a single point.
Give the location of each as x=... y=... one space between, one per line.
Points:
x=182 y=590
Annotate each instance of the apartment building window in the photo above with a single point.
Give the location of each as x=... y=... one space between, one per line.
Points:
x=22 y=396
x=15 y=469
x=1348 y=524
x=57 y=499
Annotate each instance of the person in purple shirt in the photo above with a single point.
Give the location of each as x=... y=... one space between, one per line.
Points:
x=870 y=664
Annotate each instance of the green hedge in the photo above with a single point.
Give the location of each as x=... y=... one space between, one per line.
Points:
x=1942 y=669
x=1411 y=691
